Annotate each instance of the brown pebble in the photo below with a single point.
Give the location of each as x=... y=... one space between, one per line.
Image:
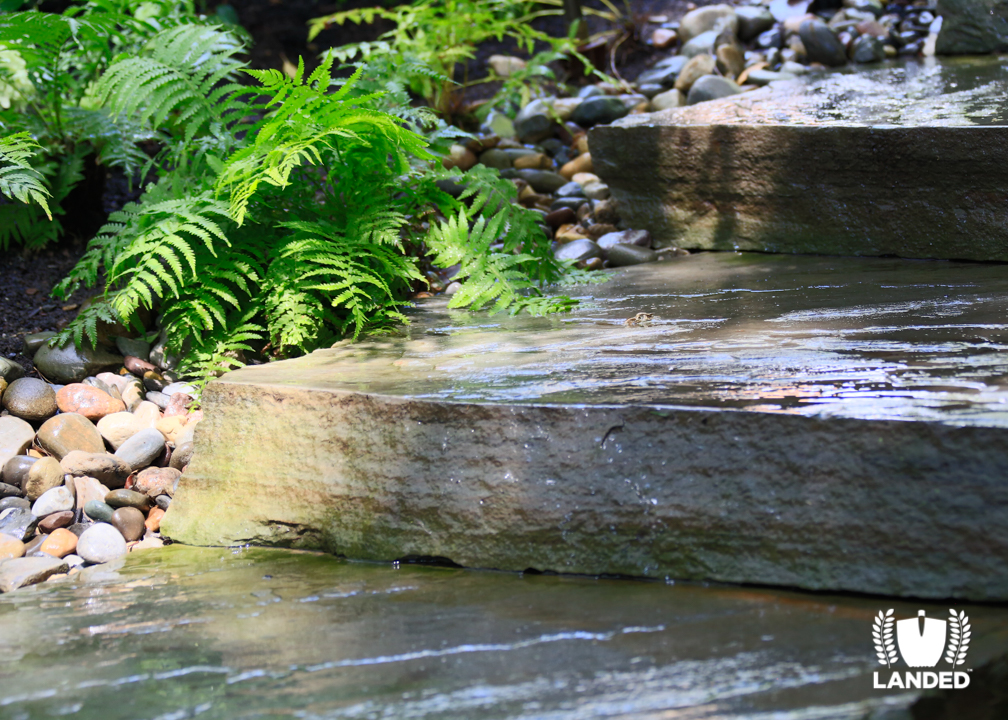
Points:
x=599 y=229
x=157 y=481
x=129 y=522
x=60 y=543
x=561 y=216
x=92 y=403
x=128 y=498
x=56 y=520
x=154 y=519
x=137 y=366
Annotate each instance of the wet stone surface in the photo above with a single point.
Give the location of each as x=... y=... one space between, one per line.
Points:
x=262 y=633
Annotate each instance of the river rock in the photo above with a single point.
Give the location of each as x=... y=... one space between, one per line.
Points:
x=496 y=158
x=99 y=510
x=730 y=61
x=7 y=491
x=578 y=250
x=189 y=431
x=101 y=543
x=135 y=347
x=142 y=449
x=753 y=20
x=702 y=44
x=67 y=432
x=43 y=476
x=54 y=500
x=68 y=364
x=596 y=191
x=10 y=547
x=175 y=388
x=128 y=498
x=182 y=455
x=15 y=470
x=972 y=27
x=18 y=522
x=867 y=49
x=711 y=87
x=28 y=571
x=16 y=437
x=147 y=414
x=821 y=44
x=162 y=501
x=11 y=502
x=600 y=110
x=153 y=521
x=33 y=341
x=87 y=489
x=119 y=427
x=30 y=399
x=623 y=255
x=133 y=394
x=106 y=469
x=663 y=73
x=668 y=99
x=499 y=124
x=89 y=401
x=713 y=18
x=542 y=181
x=641 y=238
x=10 y=370
x=765 y=77
x=56 y=520
x=129 y=522
x=695 y=69
x=157 y=481
x=163 y=359
x=60 y=543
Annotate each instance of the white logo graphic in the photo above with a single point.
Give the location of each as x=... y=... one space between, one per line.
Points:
x=922 y=644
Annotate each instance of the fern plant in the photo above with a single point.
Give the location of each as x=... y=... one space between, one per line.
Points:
x=290 y=211
x=50 y=66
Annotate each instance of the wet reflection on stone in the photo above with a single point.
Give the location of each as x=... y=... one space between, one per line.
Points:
x=845 y=337
x=267 y=633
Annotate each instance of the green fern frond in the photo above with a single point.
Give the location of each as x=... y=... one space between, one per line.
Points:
x=18 y=179
x=85 y=325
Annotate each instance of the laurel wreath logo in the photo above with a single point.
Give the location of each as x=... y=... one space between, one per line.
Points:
x=882 y=631
x=959 y=638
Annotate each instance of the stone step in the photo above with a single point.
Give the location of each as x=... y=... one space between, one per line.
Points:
x=907 y=160
x=822 y=423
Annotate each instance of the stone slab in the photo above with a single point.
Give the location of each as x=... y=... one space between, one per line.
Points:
x=823 y=423
x=907 y=160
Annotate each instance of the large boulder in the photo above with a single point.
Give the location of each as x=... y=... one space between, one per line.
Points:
x=972 y=27
x=69 y=364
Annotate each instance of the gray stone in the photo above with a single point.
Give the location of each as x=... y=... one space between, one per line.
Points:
x=129 y=498
x=101 y=543
x=15 y=438
x=821 y=44
x=742 y=467
x=21 y=572
x=7 y=490
x=30 y=399
x=649 y=90
x=15 y=470
x=599 y=110
x=18 y=522
x=753 y=20
x=158 y=398
x=142 y=449
x=534 y=128
x=137 y=347
x=663 y=73
x=67 y=364
x=750 y=172
x=52 y=501
x=160 y=357
x=765 y=77
x=640 y=238
x=110 y=470
x=162 y=501
x=712 y=18
x=571 y=189
x=867 y=49
x=542 y=181
x=182 y=455
x=624 y=255
x=770 y=39
x=14 y=502
x=711 y=87
x=495 y=158
x=668 y=99
x=578 y=250
x=10 y=370
x=702 y=44
x=971 y=27
x=596 y=191
x=67 y=432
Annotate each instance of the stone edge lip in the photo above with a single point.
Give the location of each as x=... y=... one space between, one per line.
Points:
x=372 y=518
